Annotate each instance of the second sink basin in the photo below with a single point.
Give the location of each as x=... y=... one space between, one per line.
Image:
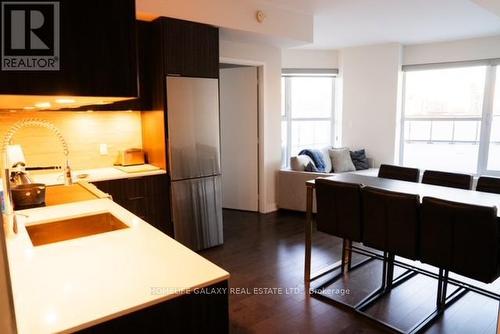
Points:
x=67 y=229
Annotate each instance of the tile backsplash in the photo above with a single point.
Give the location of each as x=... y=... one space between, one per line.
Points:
x=84 y=132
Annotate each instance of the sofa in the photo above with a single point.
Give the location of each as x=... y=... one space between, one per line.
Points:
x=292 y=186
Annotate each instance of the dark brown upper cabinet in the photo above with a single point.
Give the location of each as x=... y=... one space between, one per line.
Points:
x=98 y=54
x=189 y=49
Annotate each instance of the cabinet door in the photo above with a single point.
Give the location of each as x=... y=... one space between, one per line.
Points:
x=174 y=35
x=158 y=203
x=202 y=51
x=191 y=49
x=146 y=197
x=97 y=53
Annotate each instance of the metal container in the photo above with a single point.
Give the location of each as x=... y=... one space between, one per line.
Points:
x=28 y=196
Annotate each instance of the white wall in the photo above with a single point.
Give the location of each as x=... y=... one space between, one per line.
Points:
x=269 y=60
x=370 y=78
x=298 y=58
x=467 y=49
x=238 y=15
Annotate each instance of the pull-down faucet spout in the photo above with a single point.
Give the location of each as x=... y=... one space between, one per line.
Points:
x=30 y=122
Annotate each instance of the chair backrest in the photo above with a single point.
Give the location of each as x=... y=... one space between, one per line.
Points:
x=452 y=180
x=391 y=221
x=461 y=238
x=399 y=173
x=339 y=209
x=488 y=184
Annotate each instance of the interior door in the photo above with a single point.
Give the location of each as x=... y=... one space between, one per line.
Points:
x=239 y=138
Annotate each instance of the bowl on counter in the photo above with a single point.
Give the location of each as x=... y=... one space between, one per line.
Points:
x=27 y=196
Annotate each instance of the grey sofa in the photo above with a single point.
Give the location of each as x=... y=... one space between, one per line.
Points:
x=292 y=187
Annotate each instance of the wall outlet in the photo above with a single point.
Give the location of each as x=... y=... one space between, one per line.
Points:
x=103 y=149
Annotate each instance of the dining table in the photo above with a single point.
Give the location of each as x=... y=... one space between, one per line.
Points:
x=423 y=190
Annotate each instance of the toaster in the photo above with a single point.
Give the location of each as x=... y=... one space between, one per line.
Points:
x=130 y=157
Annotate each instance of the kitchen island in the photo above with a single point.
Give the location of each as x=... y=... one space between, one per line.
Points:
x=131 y=278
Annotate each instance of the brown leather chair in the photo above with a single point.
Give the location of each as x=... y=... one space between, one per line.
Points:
x=445 y=179
x=488 y=184
x=391 y=221
x=460 y=238
x=399 y=173
x=339 y=209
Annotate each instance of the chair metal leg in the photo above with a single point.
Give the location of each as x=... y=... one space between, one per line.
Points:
x=442 y=288
x=346 y=255
x=345 y=265
x=390 y=272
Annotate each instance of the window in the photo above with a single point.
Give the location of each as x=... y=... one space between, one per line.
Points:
x=307 y=113
x=446 y=119
x=494 y=148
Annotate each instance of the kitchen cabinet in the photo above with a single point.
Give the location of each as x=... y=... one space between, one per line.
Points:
x=206 y=310
x=189 y=49
x=145 y=72
x=147 y=197
x=98 y=54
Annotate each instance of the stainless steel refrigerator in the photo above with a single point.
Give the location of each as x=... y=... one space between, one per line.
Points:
x=194 y=161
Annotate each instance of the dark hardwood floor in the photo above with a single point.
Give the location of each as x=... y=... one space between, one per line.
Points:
x=263 y=252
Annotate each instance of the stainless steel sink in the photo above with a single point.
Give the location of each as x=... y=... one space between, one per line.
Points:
x=67 y=229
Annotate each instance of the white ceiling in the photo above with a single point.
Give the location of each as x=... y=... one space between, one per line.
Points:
x=345 y=23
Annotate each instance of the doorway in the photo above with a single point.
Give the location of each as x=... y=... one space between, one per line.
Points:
x=239 y=118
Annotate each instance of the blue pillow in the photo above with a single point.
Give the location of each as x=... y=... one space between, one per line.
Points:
x=359 y=159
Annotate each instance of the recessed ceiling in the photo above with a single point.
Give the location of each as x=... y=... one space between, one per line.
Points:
x=345 y=23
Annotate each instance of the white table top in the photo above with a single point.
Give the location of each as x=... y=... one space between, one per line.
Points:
x=424 y=190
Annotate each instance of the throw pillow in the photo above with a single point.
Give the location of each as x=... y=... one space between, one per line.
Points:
x=316 y=156
x=311 y=168
x=359 y=159
x=299 y=162
x=341 y=160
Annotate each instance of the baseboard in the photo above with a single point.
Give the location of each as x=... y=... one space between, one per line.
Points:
x=273 y=207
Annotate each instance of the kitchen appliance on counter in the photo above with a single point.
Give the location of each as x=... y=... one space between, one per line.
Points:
x=131 y=157
x=194 y=161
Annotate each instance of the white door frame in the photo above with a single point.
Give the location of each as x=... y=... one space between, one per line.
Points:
x=260 y=126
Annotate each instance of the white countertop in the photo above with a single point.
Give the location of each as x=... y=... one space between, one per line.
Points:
x=94 y=175
x=74 y=284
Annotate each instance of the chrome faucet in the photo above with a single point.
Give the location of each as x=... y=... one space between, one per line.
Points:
x=30 y=122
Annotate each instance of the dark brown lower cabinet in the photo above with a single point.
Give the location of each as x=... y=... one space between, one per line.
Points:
x=204 y=312
x=147 y=197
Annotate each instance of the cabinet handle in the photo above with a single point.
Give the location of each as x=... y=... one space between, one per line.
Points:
x=135 y=198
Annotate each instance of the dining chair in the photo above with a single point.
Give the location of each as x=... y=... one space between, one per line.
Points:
x=460 y=238
x=446 y=179
x=399 y=173
x=339 y=213
x=391 y=225
x=488 y=184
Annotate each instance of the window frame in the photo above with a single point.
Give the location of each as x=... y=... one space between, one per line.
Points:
x=287 y=76
x=485 y=119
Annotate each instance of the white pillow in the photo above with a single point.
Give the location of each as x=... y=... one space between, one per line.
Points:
x=341 y=160
x=326 y=157
x=299 y=163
